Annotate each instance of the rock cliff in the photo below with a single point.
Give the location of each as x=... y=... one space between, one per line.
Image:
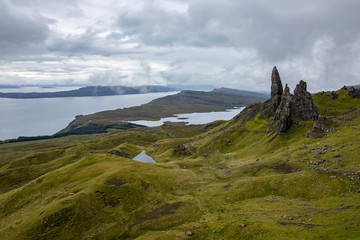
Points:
x=303 y=105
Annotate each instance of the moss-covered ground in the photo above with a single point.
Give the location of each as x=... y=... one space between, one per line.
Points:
x=225 y=180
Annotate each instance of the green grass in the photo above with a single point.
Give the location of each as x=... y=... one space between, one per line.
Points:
x=228 y=180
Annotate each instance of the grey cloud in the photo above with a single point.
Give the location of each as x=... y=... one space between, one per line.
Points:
x=109 y=77
x=231 y=43
x=21 y=33
x=91 y=43
x=277 y=29
x=68 y=8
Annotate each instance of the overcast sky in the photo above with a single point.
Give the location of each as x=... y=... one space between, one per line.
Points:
x=230 y=43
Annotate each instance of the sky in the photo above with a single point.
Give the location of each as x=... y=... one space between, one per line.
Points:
x=223 y=43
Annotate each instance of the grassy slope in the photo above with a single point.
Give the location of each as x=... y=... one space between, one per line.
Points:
x=225 y=180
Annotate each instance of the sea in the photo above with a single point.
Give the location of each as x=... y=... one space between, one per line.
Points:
x=46 y=116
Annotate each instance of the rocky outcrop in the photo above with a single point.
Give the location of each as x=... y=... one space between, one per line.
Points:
x=269 y=107
x=282 y=119
x=283 y=106
x=324 y=125
x=276 y=85
x=247 y=114
x=353 y=91
x=303 y=105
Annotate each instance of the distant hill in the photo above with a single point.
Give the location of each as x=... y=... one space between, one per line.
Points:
x=184 y=102
x=90 y=91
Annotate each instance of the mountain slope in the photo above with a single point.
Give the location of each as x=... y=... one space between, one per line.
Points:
x=229 y=180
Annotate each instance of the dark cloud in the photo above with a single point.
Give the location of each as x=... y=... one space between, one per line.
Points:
x=277 y=29
x=21 y=32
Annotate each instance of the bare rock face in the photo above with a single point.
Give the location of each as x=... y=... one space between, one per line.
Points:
x=303 y=105
x=324 y=125
x=283 y=106
x=276 y=85
x=269 y=107
x=282 y=119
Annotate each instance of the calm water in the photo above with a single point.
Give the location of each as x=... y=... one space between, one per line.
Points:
x=194 y=118
x=46 y=116
x=142 y=157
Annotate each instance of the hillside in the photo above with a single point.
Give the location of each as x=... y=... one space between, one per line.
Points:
x=287 y=168
x=184 y=102
x=89 y=91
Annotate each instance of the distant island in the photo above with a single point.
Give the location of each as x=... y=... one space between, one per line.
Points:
x=90 y=91
x=186 y=101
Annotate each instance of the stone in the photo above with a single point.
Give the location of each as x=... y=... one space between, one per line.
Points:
x=324 y=125
x=282 y=119
x=276 y=85
x=353 y=91
x=334 y=95
x=119 y=153
x=269 y=107
x=303 y=104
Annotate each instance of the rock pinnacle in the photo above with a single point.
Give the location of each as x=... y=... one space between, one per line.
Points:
x=276 y=85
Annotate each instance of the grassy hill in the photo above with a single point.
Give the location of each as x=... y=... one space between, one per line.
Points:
x=225 y=180
x=184 y=102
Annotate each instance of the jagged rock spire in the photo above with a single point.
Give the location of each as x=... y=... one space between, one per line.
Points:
x=282 y=119
x=276 y=85
x=303 y=105
x=268 y=109
x=283 y=106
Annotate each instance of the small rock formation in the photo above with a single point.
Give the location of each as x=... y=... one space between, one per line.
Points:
x=303 y=105
x=276 y=85
x=334 y=95
x=324 y=125
x=353 y=91
x=119 y=153
x=282 y=119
